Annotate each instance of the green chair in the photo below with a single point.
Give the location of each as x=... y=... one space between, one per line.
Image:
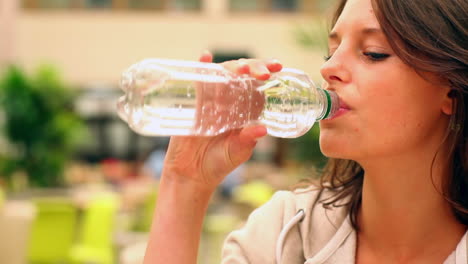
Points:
x=95 y=244
x=254 y=193
x=52 y=231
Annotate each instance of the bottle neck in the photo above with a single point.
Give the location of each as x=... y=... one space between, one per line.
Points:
x=330 y=102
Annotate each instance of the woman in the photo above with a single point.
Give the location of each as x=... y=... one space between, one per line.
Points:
x=397 y=188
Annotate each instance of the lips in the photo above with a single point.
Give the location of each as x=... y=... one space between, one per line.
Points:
x=343 y=105
x=343 y=109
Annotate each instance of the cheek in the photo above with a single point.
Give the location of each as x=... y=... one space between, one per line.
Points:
x=395 y=111
x=383 y=123
x=393 y=119
x=373 y=134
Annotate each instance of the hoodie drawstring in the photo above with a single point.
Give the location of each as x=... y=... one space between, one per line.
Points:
x=279 y=243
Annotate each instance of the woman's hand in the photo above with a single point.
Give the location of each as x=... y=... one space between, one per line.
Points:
x=194 y=167
x=205 y=161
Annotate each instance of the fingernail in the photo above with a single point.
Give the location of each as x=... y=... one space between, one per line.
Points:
x=243 y=68
x=263 y=76
x=275 y=67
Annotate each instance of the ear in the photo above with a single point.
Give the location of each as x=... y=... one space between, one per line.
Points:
x=448 y=101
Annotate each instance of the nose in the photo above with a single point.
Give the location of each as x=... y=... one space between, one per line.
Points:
x=334 y=70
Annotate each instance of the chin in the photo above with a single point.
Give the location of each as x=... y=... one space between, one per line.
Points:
x=334 y=148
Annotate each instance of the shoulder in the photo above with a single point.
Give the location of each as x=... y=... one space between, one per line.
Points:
x=320 y=223
x=257 y=239
x=310 y=199
x=288 y=203
x=285 y=204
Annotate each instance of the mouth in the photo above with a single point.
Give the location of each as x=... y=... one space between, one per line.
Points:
x=343 y=105
x=343 y=109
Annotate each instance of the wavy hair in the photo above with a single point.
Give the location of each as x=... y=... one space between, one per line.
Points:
x=431 y=36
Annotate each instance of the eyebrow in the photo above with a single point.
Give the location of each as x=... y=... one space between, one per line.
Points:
x=365 y=31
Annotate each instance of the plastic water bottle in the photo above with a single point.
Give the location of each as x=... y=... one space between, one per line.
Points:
x=174 y=97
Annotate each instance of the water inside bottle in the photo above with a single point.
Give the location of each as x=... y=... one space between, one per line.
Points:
x=187 y=107
x=191 y=107
x=290 y=108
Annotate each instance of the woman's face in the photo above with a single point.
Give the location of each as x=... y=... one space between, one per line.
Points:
x=388 y=109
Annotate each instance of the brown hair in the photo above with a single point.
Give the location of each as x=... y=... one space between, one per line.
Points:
x=430 y=36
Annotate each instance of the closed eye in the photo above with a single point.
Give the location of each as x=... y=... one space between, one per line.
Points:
x=374 y=56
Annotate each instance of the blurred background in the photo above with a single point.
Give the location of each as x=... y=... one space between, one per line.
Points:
x=76 y=184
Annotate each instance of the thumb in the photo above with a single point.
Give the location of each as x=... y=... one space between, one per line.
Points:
x=240 y=150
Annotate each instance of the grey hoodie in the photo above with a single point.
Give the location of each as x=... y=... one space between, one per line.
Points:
x=293 y=227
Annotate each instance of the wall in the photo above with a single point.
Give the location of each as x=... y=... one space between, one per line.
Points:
x=95 y=46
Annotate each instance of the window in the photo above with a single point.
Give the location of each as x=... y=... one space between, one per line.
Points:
x=146 y=4
x=115 y=4
x=166 y=4
x=186 y=4
x=98 y=3
x=284 y=5
x=272 y=5
x=222 y=56
x=244 y=5
x=47 y=4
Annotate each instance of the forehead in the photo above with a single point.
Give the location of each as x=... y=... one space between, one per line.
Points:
x=357 y=13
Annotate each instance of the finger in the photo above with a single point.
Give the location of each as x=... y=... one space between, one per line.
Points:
x=241 y=149
x=206 y=56
x=251 y=134
x=240 y=66
x=259 y=70
x=273 y=65
x=248 y=137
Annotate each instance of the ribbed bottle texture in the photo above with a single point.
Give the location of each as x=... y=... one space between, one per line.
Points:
x=173 y=97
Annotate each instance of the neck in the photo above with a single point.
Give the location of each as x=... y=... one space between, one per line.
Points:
x=403 y=209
